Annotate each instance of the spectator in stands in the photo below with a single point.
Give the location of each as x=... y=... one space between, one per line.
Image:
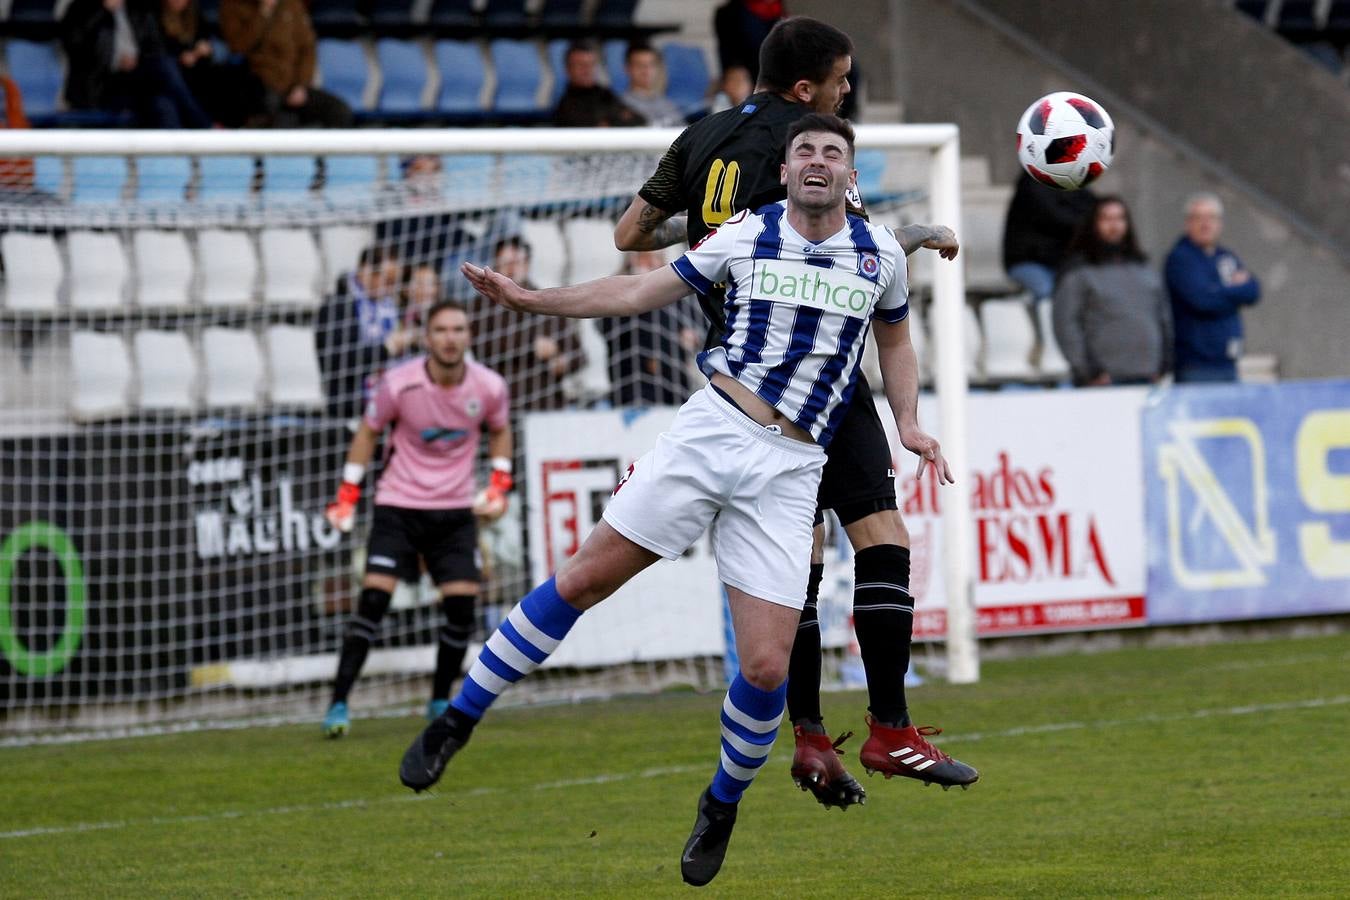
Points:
x=421 y=290
x=277 y=39
x=586 y=103
x=533 y=353
x=733 y=89
x=741 y=26
x=360 y=330
x=422 y=237
x=1040 y=224
x=1208 y=285
x=116 y=62
x=227 y=92
x=646 y=84
x=648 y=353
x=1111 y=318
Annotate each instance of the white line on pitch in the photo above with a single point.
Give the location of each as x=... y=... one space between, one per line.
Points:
x=657 y=772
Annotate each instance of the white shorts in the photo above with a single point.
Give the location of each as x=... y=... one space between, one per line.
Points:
x=755 y=487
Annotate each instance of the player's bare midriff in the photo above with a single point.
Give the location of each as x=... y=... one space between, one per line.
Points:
x=758 y=410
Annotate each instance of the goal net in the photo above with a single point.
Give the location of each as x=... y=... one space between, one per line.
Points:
x=176 y=401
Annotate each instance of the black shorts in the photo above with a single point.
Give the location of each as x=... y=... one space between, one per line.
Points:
x=445 y=539
x=858 y=479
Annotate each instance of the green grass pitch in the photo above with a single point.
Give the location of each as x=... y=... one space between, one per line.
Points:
x=1220 y=770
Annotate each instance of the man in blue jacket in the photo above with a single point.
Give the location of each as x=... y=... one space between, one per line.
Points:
x=1207 y=284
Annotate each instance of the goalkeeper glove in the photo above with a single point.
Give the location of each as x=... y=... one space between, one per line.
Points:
x=341 y=513
x=491 y=501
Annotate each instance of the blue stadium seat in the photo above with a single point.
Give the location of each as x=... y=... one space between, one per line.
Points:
x=404 y=71
x=225 y=177
x=614 y=51
x=525 y=176
x=98 y=179
x=614 y=14
x=557 y=62
x=49 y=174
x=687 y=76
x=518 y=75
x=342 y=65
x=451 y=14
x=504 y=14
x=461 y=68
x=162 y=178
x=37 y=69
x=561 y=14
x=287 y=176
x=468 y=178
x=351 y=176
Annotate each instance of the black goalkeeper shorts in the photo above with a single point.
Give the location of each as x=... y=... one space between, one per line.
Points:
x=859 y=477
x=445 y=539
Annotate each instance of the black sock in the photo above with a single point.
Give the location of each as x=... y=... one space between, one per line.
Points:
x=883 y=617
x=453 y=642
x=361 y=631
x=803 y=687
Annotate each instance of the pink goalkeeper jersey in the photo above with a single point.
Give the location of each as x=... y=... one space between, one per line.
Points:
x=437 y=430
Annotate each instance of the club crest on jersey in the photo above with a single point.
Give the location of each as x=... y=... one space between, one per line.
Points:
x=474 y=406
x=870 y=265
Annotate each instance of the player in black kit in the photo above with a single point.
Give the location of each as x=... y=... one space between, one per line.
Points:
x=718 y=166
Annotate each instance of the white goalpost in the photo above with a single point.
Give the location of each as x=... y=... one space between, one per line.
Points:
x=170 y=431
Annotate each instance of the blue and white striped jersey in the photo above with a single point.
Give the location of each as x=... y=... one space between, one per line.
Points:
x=798 y=312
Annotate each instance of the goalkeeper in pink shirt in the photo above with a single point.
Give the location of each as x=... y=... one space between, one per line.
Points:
x=438 y=407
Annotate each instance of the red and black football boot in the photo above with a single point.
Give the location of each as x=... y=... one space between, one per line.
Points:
x=905 y=751
x=816 y=768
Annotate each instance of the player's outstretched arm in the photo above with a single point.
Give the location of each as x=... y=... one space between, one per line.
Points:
x=928 y=237
x=616 y=295
x=900 y=375
x=341 y=513
x=647 y=227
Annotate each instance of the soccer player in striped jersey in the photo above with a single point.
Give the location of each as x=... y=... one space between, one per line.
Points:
x=438 y=406
x=806 y=283
x=717 y=167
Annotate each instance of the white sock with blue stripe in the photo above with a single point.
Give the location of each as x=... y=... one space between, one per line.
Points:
x=750 y=718
x=526 y=637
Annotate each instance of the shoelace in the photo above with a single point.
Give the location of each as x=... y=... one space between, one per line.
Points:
x=927 y=731
x=839 y=742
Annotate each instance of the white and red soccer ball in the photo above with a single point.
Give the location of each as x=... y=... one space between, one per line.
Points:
x=1065 y=140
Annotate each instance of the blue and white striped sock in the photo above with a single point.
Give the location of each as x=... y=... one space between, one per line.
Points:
x=750 y=718
x=530 y=632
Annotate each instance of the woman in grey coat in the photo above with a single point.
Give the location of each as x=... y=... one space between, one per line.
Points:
x=1111 y=314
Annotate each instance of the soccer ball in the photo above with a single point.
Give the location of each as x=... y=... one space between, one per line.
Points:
x=1065 y=140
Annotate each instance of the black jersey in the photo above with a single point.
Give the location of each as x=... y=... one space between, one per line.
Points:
x=722 y=164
